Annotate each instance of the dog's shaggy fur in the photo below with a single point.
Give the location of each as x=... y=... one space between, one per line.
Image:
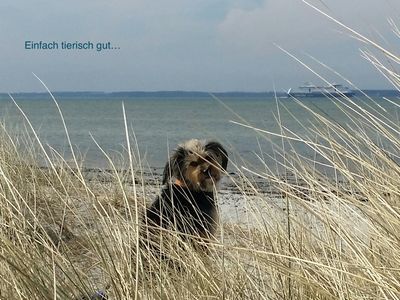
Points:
x=187 y=202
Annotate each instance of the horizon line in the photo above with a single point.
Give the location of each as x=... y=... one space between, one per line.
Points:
x=169 y=92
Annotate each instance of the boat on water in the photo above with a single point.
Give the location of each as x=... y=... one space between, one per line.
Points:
x=309 y=90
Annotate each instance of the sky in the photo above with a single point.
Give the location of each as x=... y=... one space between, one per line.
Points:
x=197 y=45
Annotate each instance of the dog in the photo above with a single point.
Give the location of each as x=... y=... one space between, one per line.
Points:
x=187 y=202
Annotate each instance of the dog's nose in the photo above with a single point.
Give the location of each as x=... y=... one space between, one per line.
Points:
x=207 y=172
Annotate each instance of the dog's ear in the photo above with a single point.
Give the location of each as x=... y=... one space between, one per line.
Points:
x=219 y=151
x=175 y=165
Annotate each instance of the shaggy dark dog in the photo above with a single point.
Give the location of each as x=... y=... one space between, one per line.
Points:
x=187 y=202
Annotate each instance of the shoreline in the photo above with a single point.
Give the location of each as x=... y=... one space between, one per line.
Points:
x=247 y=202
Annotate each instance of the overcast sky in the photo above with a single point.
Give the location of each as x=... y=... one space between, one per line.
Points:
x=206 y=45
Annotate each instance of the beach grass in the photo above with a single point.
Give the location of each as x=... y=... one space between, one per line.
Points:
x=311 y=235
x=325 y=228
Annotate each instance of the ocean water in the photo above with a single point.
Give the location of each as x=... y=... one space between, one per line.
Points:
x=158 y=124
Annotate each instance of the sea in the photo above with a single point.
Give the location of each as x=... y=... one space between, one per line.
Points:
x=248 y=126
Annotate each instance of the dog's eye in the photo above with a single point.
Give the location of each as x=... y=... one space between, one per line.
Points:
x=194 y=164
x=209 y=159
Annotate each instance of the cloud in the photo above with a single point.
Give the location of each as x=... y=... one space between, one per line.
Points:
x=249 y=36
x=178 y=44
x=293 y=24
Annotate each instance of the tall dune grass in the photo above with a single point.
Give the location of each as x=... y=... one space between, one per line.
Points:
x=312 y=236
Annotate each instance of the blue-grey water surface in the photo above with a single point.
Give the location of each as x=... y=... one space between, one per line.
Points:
x=160 y=123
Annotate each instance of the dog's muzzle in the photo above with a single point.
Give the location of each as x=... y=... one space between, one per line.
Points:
x=207 y=173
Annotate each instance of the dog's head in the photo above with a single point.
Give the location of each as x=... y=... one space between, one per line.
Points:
x=198 y=165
